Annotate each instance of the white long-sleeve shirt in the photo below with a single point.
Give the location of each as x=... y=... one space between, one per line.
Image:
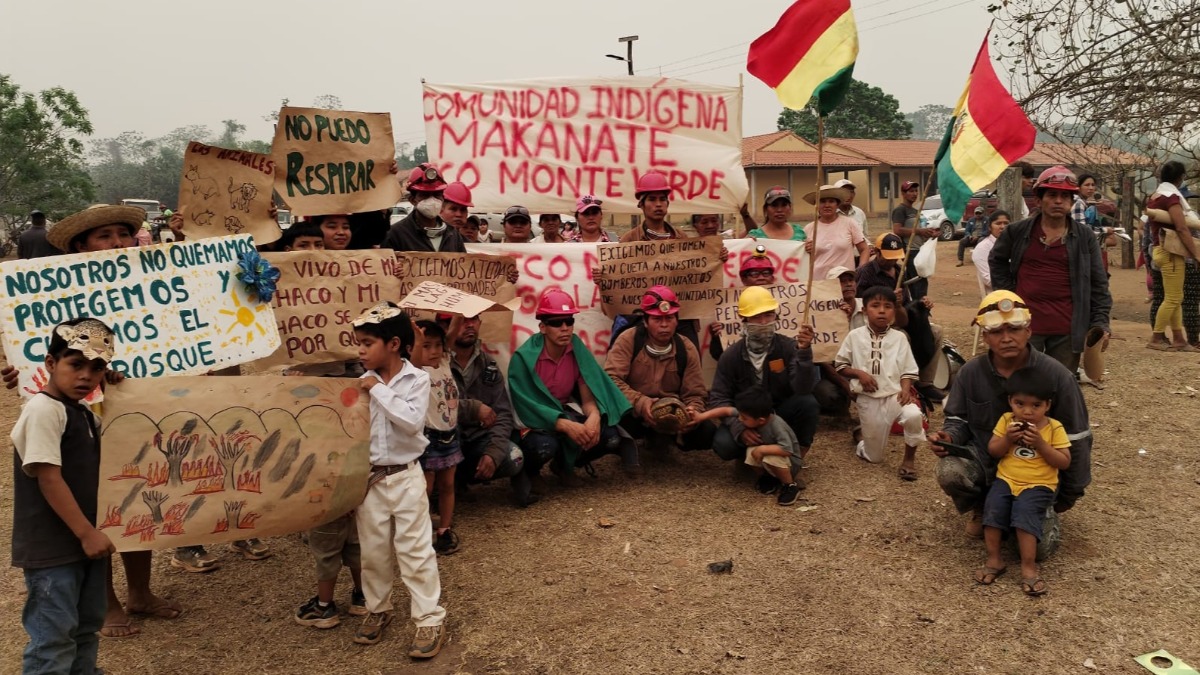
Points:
x=979 y=256
x=398 y=416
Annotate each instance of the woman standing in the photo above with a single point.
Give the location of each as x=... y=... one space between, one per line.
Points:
x=1167 y=197
x=777 y=209
x=838 y=235
x=979 y=255
x=589 y=215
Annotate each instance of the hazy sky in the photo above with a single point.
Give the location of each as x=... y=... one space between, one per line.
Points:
x=153 y=65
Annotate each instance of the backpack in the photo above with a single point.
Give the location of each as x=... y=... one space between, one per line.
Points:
x=625 y=322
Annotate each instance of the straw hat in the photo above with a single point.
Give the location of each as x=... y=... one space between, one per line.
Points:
x=838 y=193
x=97 y=215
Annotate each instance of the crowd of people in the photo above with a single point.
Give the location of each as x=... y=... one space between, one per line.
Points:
x=1014 y=453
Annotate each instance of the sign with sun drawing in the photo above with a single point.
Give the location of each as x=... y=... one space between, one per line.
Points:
x=176 y=309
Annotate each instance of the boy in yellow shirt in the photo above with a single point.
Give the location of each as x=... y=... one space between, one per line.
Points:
x=1032 y=448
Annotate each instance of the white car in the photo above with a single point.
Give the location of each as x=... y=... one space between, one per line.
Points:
x=934 y=215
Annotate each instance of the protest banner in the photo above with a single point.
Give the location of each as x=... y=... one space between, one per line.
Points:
x=176 y=309
x=226 y=192
x=542 y=143
x=430 y=296
x=319 y=294
x=475 y=273
x=202 y=460
x=334 y=161
x=689 y=267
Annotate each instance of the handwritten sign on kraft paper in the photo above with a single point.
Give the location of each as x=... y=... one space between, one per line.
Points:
x=200 y=460
x=177 y=309
x=691 y=268
x=334 y=161
x=320 y=294
x=225 y=192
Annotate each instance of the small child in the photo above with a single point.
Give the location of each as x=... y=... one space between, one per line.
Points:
x=776 y=458
x=1032 y=449
x=879 y=363
x=441 y=428
x=302 y=237
x=55 y=479
x=393 y=519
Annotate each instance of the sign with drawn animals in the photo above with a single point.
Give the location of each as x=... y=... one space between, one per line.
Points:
x=201 y=460
x=334 y=161
x=226 y=192
x=176 y=309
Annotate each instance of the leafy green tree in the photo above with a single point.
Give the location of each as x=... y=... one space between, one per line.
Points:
x=41 y=155
x=929 y=121
x=408 y=156
x=867 y=112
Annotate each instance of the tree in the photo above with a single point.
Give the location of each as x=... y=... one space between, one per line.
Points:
x=929 y=121
x=324 y=101
x=408 y=156
x=1094 y=72
x=41 y=154
x=867 y=112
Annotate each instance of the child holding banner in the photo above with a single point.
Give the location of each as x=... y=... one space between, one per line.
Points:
x=302 y=237
x=54 y=538
x=393 y=519
x=443 y=453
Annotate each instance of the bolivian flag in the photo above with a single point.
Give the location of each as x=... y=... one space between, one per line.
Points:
x=810 y=52
x=986 y=134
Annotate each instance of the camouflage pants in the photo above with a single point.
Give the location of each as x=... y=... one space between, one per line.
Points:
x=966 y=484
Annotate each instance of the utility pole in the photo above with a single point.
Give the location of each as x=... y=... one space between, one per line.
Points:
x=628 y=58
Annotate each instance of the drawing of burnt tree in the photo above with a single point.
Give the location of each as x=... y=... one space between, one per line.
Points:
x=177 y=448
x=155 y=499
x=230 y=447
x=233 y=513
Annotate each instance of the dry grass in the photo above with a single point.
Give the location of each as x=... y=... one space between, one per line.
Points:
x=878 y=586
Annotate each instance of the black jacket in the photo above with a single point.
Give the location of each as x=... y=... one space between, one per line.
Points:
x=408 y=235
x=787 y=370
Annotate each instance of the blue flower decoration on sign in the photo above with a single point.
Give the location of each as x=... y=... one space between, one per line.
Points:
x=258 y=275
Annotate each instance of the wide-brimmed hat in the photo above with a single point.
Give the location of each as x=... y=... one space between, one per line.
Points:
x=839 y=193
x=97 y=215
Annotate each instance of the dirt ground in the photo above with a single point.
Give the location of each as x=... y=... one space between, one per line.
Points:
x=873 y=575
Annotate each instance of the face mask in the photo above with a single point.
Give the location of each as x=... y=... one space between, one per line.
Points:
x=758 y=336
x=430 y=208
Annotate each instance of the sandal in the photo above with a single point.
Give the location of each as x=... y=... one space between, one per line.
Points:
x=1030 y=586
x=1159 y=346
x=126 y=627
x=986 y=576
x=907 y=474
x=164 y=609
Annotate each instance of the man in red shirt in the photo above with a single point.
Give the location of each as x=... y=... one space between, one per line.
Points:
x=1054 y=263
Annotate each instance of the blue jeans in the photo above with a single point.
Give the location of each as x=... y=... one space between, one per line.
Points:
x=64 y=609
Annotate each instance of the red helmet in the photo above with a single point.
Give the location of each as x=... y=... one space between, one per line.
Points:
x=660 y=301
x=1057 y=178
x=554 y=302
x=458 y=193
x=426 y=178
x=652 y=181
x=758 y=261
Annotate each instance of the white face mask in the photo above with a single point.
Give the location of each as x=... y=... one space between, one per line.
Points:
x=430 y=208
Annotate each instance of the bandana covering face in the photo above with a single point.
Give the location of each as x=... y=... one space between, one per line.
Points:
x=90 y=337
x=377 y=314
x=758 y=336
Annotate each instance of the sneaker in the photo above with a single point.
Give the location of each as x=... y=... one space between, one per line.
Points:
x=522 y=488
x=358 y=603
x=788 y=494
x=767 y=484
x=371 y=630
x=194 y=559
x=252 y=549
x=313 y=615
x=427 y=642
x=445 y=543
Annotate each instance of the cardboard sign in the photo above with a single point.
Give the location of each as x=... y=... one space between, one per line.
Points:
x=542 y=143
x=226 y=192
x=431 y=296
x=334 y=161
x=202 y=460
x=483 y=275
x=177 y=309
x=689 y=267
x=319 y=294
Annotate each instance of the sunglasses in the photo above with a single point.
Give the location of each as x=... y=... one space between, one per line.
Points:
x=559 y=322
x=588 y=199
x=1061 y=178
x=758 y=273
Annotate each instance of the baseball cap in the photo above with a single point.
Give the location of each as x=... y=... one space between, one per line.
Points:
x=837 y=272
x=775 y=194
x=586 y=202
x=516 y=212
x=845 y=183
x=890 y=246
x=978 y=209
x=35 y=213
x=908 y=185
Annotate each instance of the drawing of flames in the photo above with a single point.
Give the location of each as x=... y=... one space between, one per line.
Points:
x=141 y=525
x=173 y=520
x=209 y=486
x=112 y=517
x=156 y=473
x=250 y=482
x=201 y=469
x=233 y=512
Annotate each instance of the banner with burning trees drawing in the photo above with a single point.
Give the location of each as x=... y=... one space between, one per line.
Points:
x=198 y=460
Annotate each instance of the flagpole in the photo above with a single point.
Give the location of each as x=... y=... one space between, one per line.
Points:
x=816 y=213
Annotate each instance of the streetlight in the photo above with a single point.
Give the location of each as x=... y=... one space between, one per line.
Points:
x=628 y=59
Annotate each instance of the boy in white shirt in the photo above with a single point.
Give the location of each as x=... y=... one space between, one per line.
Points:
x=882 y=370
x=394 y=515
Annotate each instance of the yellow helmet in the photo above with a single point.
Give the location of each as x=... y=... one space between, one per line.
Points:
x=1002 y=307
x=756 y=300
